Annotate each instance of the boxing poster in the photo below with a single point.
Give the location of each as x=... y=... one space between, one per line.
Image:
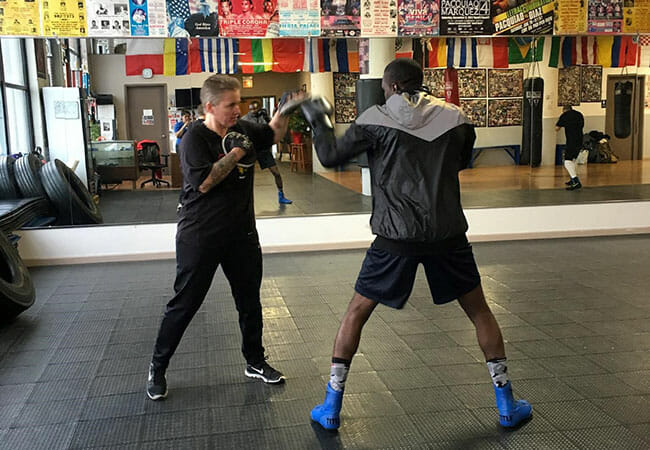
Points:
x=189 y=18
x=64 y=18
x=379 y=18
x=19 y=17
x=636 y=16
x=340 y=18
x=299 y=17
x=108 y=18
x=249 y=18
x=605 y=16
x=570 y=17
x=148 y=18
x=418 y=17
x=525 y=18
x=465 y=17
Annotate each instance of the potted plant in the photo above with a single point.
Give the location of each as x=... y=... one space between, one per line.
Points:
x=298 y=127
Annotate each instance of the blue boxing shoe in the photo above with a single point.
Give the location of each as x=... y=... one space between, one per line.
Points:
x=327 y=413
x=283 y=200
x=511 y=412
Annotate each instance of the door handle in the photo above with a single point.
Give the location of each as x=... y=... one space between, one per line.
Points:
x=163 y=135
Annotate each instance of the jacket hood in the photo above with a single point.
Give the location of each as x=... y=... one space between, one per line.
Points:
x=420 y=115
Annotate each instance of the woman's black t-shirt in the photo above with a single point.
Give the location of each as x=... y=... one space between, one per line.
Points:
x=226 y=212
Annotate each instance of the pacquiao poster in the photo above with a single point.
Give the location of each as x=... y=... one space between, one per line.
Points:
x=249 y=18
x=522 y=17
x=418 y=17
x=340 y=17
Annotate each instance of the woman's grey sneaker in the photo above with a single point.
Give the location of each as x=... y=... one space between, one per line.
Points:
x=264 y=372
x=156 y=384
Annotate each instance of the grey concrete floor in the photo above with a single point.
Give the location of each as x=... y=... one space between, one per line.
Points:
x=575 y=314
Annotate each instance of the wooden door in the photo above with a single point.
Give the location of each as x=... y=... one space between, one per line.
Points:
x=146 y=114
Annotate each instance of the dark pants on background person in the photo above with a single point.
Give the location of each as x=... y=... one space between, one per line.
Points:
x=196 y=265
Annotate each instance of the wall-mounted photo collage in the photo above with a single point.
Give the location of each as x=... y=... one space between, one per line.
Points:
x=345 y=108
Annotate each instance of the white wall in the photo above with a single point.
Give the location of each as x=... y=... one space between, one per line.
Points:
x=329 y=232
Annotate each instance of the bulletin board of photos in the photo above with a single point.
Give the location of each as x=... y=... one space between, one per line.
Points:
x=577 y=84
x=345 y=89
x=489 y=97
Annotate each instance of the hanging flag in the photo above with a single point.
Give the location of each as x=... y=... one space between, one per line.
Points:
x=404 y=48
x=288 y=55
x=586 y=50
x=520 y=50
x=340 y=55
x=144 y=54
x=195 y=56
x=255 y=55
x=492 y=52
x=313 y=53
x=176 y=57
x=217 y=55
x=437 y=49
x=569 y=51
x=616 y=51
x=643 y=52
x=461 y=52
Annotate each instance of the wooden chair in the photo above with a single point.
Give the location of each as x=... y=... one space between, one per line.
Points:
x=297 y=157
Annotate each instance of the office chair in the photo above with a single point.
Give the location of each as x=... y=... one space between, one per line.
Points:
x=149 y=159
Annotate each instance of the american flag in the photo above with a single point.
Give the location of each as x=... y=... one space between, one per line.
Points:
x=204 y=7
x=178 y=8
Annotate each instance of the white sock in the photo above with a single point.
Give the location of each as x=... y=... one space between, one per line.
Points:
x=338 y=375
x=570 y=166
x=498 y=371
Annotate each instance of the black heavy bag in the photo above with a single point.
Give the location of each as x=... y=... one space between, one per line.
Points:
x=369 y=93
x=622 y=109
x=531 y=130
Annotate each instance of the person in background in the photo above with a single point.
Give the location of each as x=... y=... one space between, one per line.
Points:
x=265 y=157
x=573 y=123
x=181 y=127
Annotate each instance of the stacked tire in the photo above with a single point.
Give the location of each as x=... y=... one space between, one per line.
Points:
x=17 y=291
x=68 y=195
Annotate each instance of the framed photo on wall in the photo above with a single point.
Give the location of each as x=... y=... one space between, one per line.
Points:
x=568 y=86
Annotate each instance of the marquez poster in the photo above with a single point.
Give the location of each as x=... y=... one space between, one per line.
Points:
x=525 y=17
x=465 y=17
x=108 y=18
x=605 y=16
x=418 y=17
x=340 y=17
x=19 y=17
x=64 y=18
x=570 y=17
x=379 y=18
x=299 y=17
x=192 y=18
x=249 y=18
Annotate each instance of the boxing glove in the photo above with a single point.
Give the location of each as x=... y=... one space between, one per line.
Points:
x=317 y=112
x=288 y=106
x=235 y=139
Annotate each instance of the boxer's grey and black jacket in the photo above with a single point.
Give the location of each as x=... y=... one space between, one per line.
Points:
x=416 y=145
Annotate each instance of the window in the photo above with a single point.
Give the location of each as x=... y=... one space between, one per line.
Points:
x=16 y=133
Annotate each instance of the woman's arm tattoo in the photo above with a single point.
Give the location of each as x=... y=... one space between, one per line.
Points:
x=219 y=172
